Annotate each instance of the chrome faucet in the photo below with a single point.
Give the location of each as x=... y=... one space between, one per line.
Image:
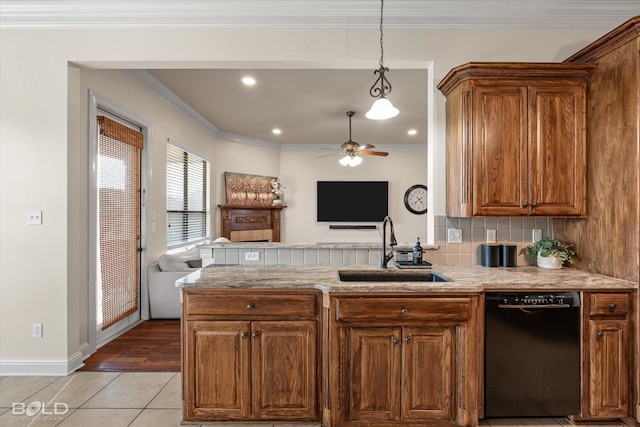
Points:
x=386 y=257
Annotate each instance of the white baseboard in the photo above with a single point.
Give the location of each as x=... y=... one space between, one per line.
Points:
x=33 y=367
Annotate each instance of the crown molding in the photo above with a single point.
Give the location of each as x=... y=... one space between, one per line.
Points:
x=404 y=14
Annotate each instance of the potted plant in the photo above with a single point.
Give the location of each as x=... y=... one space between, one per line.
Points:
x=550 y=253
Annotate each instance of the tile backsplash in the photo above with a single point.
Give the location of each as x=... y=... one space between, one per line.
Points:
x=513 y=230
x=516 y=231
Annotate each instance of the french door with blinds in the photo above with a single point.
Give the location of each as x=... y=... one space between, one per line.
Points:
x=118 y=225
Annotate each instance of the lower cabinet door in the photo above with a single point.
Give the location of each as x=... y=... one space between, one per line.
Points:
x=373 y=374
x=427 y=373
x=217 y=369
x=609 y=371
x=284 y=369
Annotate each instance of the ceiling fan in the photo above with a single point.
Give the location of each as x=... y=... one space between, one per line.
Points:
x=351 y=149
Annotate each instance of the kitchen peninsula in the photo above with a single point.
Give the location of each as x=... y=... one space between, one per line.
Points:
x=295 y=343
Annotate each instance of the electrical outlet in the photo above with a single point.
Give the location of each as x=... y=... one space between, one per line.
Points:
x=536 y=235
x=454 y=235
x=252 y=256
x=491 y=235
x=34 y=217
x=36 y=331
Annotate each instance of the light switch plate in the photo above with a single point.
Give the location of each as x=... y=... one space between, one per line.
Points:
x=491 y=235
x=454 y=235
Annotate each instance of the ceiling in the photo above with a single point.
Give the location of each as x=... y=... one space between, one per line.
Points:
x=308 y=105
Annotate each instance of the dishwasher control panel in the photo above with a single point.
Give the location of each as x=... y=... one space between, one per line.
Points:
x=533 y=299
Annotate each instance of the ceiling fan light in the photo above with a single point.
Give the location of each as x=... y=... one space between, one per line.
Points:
x=345 y=161
x=350 y=160
x=382 y=109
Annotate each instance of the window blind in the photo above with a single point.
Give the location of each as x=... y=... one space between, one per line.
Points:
x=119 y=219
x=187 y=197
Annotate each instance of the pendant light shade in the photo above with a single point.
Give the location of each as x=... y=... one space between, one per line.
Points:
x=382 y=107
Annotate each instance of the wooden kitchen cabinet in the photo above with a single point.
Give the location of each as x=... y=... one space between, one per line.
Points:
x=516 y=139
x=250 y=355
x=399 y=360
x=606 y=373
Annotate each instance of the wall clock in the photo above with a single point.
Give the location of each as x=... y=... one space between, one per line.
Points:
x=415 y=199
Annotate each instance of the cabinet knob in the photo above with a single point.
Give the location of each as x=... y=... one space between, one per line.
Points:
x=244 y=335
x=612 y=306
x=525 y=205
x=534 y=204
x=249 y=306
x=396 y=341
x=407 y=340
x=599 y=334
x=404 y=311
x=255 y=335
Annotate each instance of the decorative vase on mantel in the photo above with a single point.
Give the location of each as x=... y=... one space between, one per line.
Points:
x=277 y=201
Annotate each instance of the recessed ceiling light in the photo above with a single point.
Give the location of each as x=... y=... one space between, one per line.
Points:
x=276 y=131
x=412 y=132
x=248 y=81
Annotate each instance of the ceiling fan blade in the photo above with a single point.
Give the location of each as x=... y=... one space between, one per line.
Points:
x=375 y=153
x=366 y=147
x=327 y=155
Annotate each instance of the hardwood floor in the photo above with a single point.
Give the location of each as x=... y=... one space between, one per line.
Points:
x=152 y=346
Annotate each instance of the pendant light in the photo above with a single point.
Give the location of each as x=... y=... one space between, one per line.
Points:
x=382 y=107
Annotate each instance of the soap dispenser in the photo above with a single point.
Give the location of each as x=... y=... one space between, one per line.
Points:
x=417 y=253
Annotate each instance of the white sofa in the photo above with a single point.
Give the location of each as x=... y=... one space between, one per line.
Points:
x=164 y=297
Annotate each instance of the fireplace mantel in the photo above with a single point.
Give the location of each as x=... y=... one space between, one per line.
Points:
x=250 y=223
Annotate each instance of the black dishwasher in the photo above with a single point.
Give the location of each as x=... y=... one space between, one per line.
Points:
x=532 y=354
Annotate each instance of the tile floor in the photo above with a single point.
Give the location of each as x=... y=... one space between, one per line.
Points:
x=113 y=399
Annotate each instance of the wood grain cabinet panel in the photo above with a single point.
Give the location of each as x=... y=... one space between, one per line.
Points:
x=516 y=139
x=606 y=371
x=283 y=360
x=250 y=355
x=394 y=362
x=217 y=356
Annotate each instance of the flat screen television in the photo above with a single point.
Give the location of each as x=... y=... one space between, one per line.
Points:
x=352 y=201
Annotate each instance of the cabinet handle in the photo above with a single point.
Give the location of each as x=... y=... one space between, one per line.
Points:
x=404 y=311
x=396 y=341
x=525 y=205
x=599 y=334
x=255 y=335
x=534 y=204
x=249 y=306
x=244 y=335
x=612 y=306
x=407 y=340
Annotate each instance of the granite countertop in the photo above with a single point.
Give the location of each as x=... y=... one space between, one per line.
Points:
x=463 y=279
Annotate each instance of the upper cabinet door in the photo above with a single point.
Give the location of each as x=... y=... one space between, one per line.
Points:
x=500 y=150
x=557 y=150
x=516 y=139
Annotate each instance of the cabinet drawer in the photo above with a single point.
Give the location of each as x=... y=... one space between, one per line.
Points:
x=612 y=304
x=249 y=305
x=374 y=308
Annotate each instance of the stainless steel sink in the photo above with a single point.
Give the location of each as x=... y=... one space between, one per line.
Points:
x=390 y=276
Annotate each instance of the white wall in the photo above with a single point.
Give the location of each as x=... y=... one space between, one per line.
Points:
x=301 y=169
x=41 y=267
